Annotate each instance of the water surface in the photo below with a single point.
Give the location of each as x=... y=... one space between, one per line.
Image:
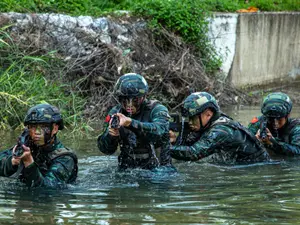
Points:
x=200 y=193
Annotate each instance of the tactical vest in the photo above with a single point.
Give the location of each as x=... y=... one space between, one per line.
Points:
x=45 y=161
x=143 y=142
x=227 y=121
x=65 y=152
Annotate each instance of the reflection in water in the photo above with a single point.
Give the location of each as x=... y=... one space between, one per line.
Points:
x=24 y=206
x=200 y=193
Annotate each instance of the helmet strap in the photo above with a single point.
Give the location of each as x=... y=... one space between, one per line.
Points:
x=208 y=122
x=201 y=124
x=141 y=100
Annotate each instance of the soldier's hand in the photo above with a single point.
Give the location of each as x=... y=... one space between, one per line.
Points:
x=267 y=139
x=15 y=161
x=172 y=136
x=124 y=120
x=114 y=132
x=26 y=157
x=257 y=135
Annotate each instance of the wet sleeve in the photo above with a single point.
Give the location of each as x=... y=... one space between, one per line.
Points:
x=107 y=144
x=205 y=146
x=6 y=167
x=292 y=148
x=56 y=177
x=165 y=154
x=159 y=124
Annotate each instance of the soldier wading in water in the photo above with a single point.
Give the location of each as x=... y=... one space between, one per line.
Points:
x=138 y=125
x=212 y=132
x=41 y=160
x=279 y=133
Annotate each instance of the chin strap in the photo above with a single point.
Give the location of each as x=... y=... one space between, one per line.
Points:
x=208 y=123
x=201 y=124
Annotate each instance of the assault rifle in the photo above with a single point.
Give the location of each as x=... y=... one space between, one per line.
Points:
x=177 y=125
x=115 y=122
x=23 y=139
x=263 y=128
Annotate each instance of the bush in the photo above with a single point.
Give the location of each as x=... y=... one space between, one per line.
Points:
x=185 y=18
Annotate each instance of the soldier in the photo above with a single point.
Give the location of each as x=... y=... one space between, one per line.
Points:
x=279 y=133
x=140 y=126
x=214 y=132
x=42 y=161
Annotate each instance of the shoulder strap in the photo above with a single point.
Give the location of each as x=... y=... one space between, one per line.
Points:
x=147 y=109
x=287 y=131
x=152 y=104
x=224 y=120
x=293 y=123
x=65 y=152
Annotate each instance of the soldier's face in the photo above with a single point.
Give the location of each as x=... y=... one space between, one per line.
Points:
x=40 y=133
x=131 y=105
x=194 y=123
x=277 y=123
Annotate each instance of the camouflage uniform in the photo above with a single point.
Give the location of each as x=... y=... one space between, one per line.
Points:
x=145 y=143
x=286 y=140
x=228 y=140
x=53 y=166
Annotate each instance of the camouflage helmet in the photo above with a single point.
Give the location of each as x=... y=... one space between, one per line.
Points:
x=131 y=85
x=197 y=102
x=44 y=113
x=277 y=105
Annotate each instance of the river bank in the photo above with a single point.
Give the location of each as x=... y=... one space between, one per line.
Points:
x=80 y=58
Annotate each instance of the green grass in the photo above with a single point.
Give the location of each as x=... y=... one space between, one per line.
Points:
x=27 y=79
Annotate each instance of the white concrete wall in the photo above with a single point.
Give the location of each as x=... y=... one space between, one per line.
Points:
x=264 y=49
x=222 y=33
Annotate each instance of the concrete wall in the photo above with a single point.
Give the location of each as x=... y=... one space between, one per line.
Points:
x=258 y=48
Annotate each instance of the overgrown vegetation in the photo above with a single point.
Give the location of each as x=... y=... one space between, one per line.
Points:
x=30 y=76
x=186 y=19
x=96 y=7
x=177 y=47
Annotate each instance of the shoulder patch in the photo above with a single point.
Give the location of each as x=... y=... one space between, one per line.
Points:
x=107 y=118
x=254 y=120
